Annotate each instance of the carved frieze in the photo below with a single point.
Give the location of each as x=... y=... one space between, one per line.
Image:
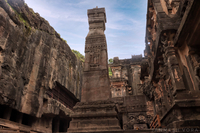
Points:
x=135 y=121
x=148 y=89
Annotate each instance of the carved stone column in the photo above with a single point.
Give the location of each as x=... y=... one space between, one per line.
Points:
x=172 y=62
x=95 y=74
x=136 y=71
x=95 y=112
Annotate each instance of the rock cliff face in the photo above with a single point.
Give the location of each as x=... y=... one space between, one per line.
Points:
x=32 y=58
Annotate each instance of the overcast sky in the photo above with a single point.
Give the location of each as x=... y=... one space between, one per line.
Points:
x=125 y=27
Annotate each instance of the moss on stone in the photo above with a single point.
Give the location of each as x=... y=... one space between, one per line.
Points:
x=63 y=40
x=31 y=10
x=19 y=16
x=78 y=55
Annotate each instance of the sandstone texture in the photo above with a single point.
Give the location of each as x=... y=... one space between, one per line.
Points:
x=96 y=112
x=41 y=79
x=95 y=75
x=32 y=58
x=172 y=50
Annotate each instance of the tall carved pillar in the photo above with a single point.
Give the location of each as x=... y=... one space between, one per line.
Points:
x=163 y=98
x=95 y=112
x=95 y=75
x=172 y=84
x=172 y=62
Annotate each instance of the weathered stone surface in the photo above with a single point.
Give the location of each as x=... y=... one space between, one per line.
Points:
x=32 y=58
x=94 y=116
x=136 y=112
x=95 y=112
x=95 y=75
x=125 y=79
x=172 y=82
x=36 y=67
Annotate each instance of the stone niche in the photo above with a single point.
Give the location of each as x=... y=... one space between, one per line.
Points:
x=135 y=112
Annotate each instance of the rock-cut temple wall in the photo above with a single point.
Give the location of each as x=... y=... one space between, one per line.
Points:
x=33 y=58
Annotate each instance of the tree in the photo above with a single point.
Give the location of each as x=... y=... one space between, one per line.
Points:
x=78 y=55
x=110 y=61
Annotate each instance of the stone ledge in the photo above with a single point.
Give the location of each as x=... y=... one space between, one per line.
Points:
x=120 y=131
x=95 y=114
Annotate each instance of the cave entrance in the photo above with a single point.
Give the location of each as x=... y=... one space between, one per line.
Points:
x=28 y=120
x=60 y=124
x=2 y=110
x=16 y=116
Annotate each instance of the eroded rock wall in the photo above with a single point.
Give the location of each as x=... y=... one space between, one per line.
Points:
x=32 y=58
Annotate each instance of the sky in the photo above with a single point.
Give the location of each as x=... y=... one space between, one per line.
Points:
x=125 y=27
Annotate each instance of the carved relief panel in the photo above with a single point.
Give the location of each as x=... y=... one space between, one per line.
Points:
x=118 y=91
x=117 y=74
x=134 y=121
x=124 y=73
x=95 y=45
x=116 y=71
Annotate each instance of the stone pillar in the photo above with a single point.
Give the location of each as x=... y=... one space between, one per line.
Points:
x=95 y=112
x=95 y=76
x=172 y=63
x=136 y=71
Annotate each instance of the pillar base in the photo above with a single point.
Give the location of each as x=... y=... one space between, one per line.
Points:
x=94 y=117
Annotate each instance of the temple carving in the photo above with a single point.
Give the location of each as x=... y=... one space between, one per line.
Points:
x=45 y=88
x=97 y=111
x=95 y=73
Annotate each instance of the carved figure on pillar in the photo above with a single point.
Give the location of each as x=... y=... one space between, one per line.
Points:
x=95 y=75
x=95 y=112
x=172 y=63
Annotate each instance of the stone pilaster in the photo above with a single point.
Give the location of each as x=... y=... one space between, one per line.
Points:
x=172 y=62
x=136 y=71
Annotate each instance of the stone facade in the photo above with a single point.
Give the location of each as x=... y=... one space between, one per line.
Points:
x=136 y=111
x=172 y=43
x=125 y=79
x=33 y=61
x=41 y=79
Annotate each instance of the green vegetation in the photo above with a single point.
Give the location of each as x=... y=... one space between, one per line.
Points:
x=20 y=17
x=63 y=40
x=31 y=10
x=110 y=72
x=110 y=61
x=10 y=6
x=23 y=20
x=79 y=55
